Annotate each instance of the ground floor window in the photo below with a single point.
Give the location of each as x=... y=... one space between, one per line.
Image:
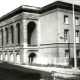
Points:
x=67 y=53
x=1 y=57
x=18 y=57
x=6 y=57
x=11 y=57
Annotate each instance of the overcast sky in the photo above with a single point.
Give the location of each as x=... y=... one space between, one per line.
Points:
x=8 y=5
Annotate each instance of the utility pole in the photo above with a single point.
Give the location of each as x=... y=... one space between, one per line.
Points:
x=75 y=61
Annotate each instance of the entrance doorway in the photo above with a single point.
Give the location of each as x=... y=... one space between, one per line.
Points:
x=32 y=57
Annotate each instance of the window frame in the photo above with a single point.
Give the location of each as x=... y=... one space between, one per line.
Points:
x=66 y=17
x=77 y=18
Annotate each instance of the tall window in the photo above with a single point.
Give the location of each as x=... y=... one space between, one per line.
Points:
x=6 y=29
x=78 y=53
x=66 y=35
x=77 y=36
x=11 y=29
x=18 y=32
x=66 y=19
x=66 y=53
x=76 y=20
x=2 y=36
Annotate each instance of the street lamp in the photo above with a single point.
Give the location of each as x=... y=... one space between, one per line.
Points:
x=68 y=48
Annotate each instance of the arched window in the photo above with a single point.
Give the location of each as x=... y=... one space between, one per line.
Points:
x=12 y=36
x=11 y=57
x=31 y=26
x=1 y=57
x=6 y=57
x=6 y=30
x=18 y=32
x=17 y=57
x=2 y=36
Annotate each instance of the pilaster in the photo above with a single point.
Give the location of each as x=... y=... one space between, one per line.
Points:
x=0 y=39
x=15 y=35
x=23 y=30
x=38 y=33
x=9 y=38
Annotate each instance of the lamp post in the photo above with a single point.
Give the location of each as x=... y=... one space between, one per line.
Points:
x=68 y=48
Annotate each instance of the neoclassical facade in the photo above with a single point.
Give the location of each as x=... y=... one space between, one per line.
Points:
x=34 y=35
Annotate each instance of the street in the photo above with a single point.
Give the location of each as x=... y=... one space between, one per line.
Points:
x=21 y=73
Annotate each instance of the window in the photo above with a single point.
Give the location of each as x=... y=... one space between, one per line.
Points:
x=18 y=32
x=66 y=21
x=76 y=20
x=6 y=29
x=77 y=36
x=12 y=37
x=2 y=36
x=66 y=34
x=67 y=53
x=78 y=53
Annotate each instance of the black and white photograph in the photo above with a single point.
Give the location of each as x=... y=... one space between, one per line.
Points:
x=40 y=40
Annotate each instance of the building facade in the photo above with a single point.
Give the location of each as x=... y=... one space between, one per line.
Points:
x=34 y=35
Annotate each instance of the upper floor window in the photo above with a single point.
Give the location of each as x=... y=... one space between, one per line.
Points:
x=66 y=34
x=76 y=20
x=18 y=32
x=12 y=37
x=77 y=36
x=2 y=36
x=66 y=20
x=6 y=29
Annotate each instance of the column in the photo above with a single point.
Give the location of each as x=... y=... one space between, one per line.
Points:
x=9 y=36
x=15 y=35
x=0 y=39
x=38 y=33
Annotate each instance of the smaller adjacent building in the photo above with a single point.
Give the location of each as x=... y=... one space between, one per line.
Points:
x=34 y=35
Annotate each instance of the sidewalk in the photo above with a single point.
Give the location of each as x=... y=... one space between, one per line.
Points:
x=57 y=72
x=60 y=72
x=51 y=69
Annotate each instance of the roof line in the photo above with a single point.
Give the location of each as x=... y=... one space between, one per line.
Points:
x=38 y=10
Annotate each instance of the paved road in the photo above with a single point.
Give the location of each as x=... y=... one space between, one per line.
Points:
x=6 y=74
x=11 y=72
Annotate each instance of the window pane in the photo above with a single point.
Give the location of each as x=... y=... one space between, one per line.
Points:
x=76 y=21
x=66 y=33
x=66 y=19
x=77 y=36
x=67 y=53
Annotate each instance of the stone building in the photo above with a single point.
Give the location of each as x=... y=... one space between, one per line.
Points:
x=34 y=35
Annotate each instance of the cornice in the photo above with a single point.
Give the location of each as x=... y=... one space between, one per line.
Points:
x=38 y=10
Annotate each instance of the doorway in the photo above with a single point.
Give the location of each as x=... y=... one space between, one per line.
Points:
x=32 y=57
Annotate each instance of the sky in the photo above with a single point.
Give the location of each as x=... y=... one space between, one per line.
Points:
x=9 y=5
